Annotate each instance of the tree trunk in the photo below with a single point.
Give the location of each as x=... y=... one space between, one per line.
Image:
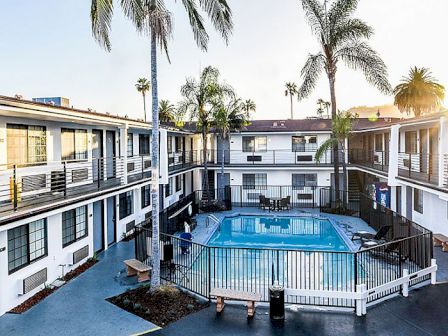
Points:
x=223 y=180
x=205 y=184
x=292 y=110
x=345 y=178
x=144 y=104
x=331 y=78
x=155 y=277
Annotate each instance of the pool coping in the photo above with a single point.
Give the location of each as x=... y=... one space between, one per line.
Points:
x=347 y=241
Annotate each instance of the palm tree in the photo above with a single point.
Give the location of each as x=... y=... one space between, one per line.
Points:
x=201 y=98
x=152 y=18
x=327 y=106
x=291 y=90
x=419 y=93
x=320 y=109
x=143 y=86
x=342 y=127
x=249 y=105
x=167 y=111
x=230 y=117
x=341 y=38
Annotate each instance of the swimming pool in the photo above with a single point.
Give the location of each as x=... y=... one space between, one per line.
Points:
x=304 y=233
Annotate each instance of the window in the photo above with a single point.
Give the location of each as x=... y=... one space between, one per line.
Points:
x=418 y=200
x=169 y=187
x=254 y=181
x=303 y=180
x=26 y=244
x=178 y=144
x=74 y=225
x=254 y=144
x=26 y=144
x=169 y=142
x=143 y=142
x=146 y=196
x=378 y=142
x=130 y=144
x=302 y=143
x=410 y=142
x=178 y=182
x=74 y=144
x=126 y=204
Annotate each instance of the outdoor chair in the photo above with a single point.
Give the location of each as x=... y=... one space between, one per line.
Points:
x=185 y=242
x=364 y=235
x=284 y=204
x=390 y=251
x=261 y=198
x=288 y=202
x=266 y=204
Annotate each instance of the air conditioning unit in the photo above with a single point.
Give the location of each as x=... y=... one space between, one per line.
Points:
x=33 y=281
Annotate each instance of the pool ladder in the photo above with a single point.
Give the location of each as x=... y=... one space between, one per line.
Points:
x=212 y=218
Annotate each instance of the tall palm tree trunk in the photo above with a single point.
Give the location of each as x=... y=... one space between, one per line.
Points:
x=335 y=146
x=144 y=105
x=345 y=179
x=223 y=180
x=292 y=110
x=205 y=183
x=155 y=278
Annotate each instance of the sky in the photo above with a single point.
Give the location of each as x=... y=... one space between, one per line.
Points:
x=47 y=49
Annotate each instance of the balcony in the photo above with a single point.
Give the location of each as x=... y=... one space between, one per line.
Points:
x=39 y=187
x=419 y=166
x=270 y=157
x=183 y=160
x=378 y=160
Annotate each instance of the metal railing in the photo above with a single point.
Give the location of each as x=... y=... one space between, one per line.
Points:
x=445 y=170
x=183 y=159
x=380 y=270
x=28 y=186
x=378 y=160
x=419 y=166
x=269 y=157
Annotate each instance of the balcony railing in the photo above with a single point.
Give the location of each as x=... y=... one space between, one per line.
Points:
x=445 y=170
x=32 y=186
x=419 y=166
x=182 y=160
x=270 y=157
x=378 y=160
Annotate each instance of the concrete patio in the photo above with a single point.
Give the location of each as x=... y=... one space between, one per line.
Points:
x=79 y=307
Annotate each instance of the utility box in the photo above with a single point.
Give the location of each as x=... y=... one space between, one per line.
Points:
x=276 y=302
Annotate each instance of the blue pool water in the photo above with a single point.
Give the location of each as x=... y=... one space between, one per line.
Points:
x=286 y=233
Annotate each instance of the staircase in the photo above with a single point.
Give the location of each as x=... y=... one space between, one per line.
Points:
x=353 y=188
x=211 y=185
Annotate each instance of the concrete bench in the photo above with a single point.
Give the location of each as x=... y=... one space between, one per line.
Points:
x=223 y=293
x=136 y=267
x=440 y=240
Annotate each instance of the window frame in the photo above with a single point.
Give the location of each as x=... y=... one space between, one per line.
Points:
x=411 y=147
x=169 y=187
x=42 y=143
x=252 y=144
x=27 y=243
x=307 y=182
x=418 y=200
x=257 y=177
x=379 y=147
x=178 y=182
x=146 y=196
x=125 y=204
x=130 y=145
x=144 y=144
x=78 y=152
x=74 y=226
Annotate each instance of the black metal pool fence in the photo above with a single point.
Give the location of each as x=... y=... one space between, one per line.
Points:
x=199 y=268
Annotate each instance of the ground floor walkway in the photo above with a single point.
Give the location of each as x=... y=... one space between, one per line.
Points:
x=424 y=312
x=79 y=308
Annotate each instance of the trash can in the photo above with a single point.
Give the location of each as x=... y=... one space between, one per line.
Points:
x=276 y=302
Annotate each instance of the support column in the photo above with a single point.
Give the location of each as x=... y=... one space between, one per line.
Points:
x=124 y=151
x=393 y=155
x=163 y=163
x=443 y=152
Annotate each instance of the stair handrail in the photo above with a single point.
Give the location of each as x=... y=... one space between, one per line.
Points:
x=212 y=218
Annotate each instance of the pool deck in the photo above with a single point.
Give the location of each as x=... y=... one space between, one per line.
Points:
x=80 y=308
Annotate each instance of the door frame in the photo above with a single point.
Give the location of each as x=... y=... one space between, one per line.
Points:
x=114 y=219
x=102 y=226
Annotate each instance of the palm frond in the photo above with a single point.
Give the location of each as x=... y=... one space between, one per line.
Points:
x=310 y=74
x=159 y=24
x=340 y=11
x=324 y=148
x=134 y=11
x=359 y=55
x=220 y=15
x=351 y=30
x=315 y=14
x=101 y=12
x=196 y=23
